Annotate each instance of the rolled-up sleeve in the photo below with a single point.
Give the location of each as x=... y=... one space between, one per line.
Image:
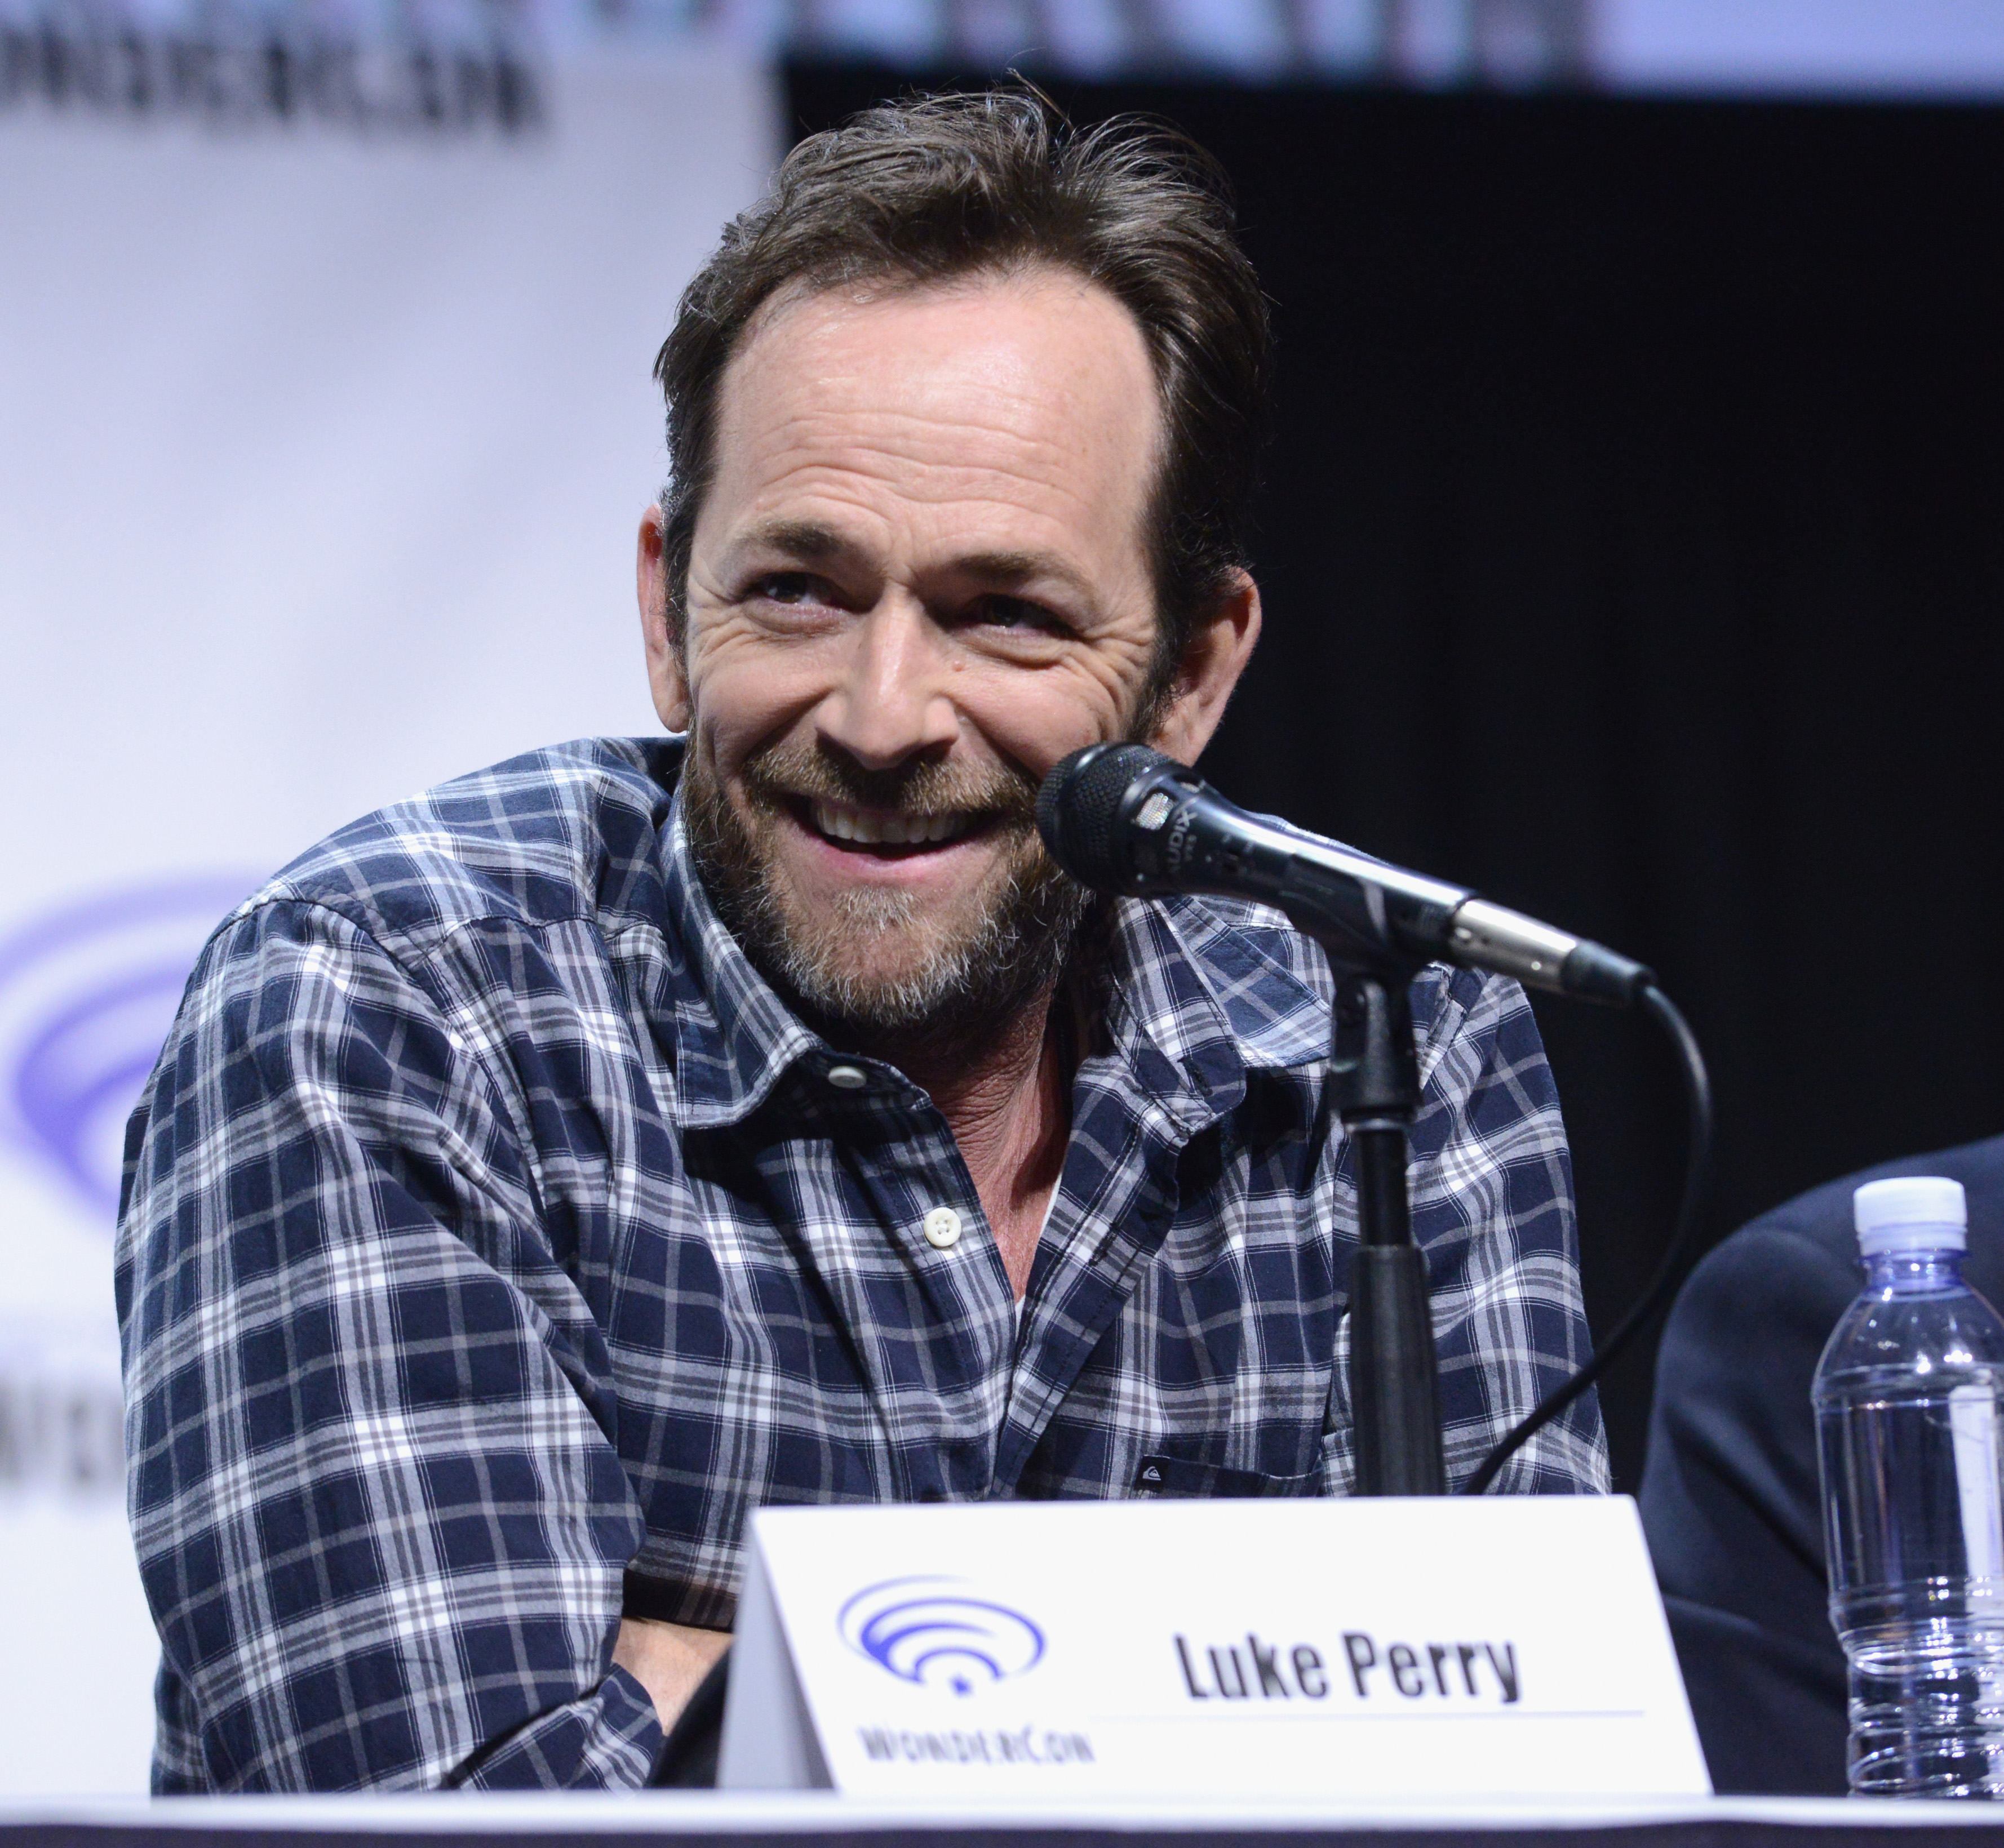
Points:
x=380 y=1516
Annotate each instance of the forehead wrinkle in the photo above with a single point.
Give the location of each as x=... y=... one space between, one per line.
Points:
x=930 y=438
x=828 y=358
x=1005 y=400
x=833 y=462
x=822 y=506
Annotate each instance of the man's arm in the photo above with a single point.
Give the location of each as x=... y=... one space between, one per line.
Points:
x=668 y=1660
x=1491 y=1186
x=1732 y=1505
x=379 y=1519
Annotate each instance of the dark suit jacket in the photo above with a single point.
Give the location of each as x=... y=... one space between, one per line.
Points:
x=1729 y=1495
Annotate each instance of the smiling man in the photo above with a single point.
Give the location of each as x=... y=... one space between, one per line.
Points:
x=545 y=1173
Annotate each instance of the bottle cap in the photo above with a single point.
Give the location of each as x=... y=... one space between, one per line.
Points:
x=1910 y=1212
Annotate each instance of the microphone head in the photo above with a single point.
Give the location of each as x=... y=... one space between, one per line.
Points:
x=1080 y=803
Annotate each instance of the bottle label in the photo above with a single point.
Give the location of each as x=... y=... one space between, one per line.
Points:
x=1972 y=1415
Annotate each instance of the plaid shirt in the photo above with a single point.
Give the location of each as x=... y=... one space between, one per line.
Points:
x=496 y=1242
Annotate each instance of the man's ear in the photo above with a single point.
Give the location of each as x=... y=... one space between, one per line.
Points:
x=666 y=673
x=1219 y=647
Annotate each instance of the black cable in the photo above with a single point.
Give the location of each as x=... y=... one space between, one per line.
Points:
x=1683 y=1228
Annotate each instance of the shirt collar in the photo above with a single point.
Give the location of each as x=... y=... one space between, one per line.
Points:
x=1199 y=992
x=1204 y=990
x=734 y=1037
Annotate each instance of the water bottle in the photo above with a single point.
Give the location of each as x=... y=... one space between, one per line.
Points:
x=1907 y=1431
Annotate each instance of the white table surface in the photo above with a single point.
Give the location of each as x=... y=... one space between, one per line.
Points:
x=669 y=1812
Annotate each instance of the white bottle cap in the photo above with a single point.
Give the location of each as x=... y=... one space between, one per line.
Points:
x=1910 y=1212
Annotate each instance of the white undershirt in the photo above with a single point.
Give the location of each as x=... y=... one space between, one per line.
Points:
x=1015 y=1301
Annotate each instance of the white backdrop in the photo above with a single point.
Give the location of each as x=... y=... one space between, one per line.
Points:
x=321 y=453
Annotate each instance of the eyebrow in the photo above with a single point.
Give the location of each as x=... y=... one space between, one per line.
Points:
x=809 y=542
x=1017 y=568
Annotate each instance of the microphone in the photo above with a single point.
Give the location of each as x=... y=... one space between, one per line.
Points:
x=1126 y=820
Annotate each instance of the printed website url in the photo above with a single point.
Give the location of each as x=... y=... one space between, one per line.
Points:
x=1025 y=1745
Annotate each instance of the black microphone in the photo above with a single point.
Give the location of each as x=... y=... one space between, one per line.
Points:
x=1124 y=819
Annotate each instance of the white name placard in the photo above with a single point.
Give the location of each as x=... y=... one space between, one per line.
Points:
x=1371 y=1648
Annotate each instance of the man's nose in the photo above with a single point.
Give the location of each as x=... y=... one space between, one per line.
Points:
x=891 y=701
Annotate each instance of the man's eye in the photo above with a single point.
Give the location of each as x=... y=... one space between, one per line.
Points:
x=790 y=587
x=1015 y=613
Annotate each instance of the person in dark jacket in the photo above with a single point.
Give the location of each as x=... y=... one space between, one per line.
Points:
x=1730 y=1498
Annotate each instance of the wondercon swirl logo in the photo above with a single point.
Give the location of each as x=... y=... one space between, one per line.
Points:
x=88 y=991
x=929 y=1633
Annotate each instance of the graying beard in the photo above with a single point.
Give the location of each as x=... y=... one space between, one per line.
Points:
x=1019 y=946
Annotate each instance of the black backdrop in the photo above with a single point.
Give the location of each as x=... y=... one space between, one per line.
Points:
x=1633 y=550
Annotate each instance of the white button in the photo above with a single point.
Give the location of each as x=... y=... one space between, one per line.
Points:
x=847 y=1077
x=943 y=1228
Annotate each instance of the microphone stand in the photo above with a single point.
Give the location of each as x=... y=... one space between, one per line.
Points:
x=1123 y=819
x=1374 y=1084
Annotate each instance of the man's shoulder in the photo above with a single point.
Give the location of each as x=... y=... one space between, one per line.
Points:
x=1814 y=1232
x=568 y=832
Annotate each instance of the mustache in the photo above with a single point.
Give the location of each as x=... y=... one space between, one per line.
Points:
x=923 y=789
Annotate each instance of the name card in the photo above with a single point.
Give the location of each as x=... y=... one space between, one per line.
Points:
x=1511 y=1646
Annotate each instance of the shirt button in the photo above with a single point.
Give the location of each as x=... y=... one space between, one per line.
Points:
x=943 y=1228
x=846 y=1077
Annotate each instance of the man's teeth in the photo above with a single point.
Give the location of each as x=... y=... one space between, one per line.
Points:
x=888 y=831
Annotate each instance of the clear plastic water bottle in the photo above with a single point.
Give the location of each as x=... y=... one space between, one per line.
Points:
x=1907 y=1398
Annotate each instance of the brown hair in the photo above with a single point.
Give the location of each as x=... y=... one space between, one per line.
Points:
x=938 y=187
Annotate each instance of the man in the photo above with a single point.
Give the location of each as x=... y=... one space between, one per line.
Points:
x=545 y=1173
x=1731 y=1499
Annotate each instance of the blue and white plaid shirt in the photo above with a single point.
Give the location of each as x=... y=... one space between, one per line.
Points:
x=496 y=1242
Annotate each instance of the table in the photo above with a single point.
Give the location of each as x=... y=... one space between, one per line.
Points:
x=703 y=1819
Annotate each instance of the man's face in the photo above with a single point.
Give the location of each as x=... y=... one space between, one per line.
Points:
x=918 y=579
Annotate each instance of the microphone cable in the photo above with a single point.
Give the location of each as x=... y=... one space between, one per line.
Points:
x=1683 y=1229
